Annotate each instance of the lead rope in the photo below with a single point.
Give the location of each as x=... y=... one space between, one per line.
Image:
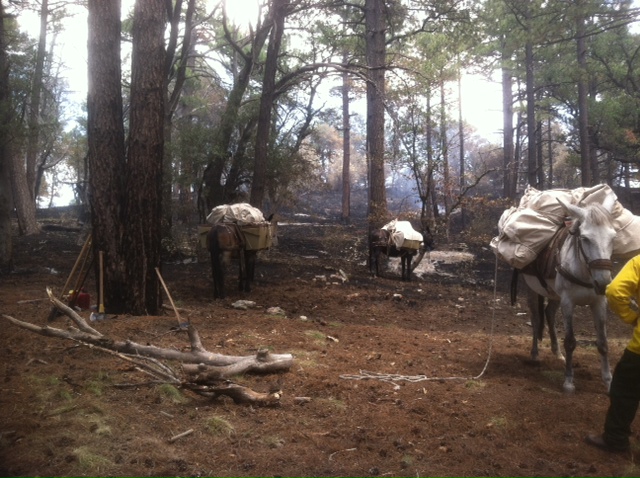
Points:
x=392 y=377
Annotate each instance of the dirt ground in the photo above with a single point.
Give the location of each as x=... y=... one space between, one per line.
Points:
x=466 y=401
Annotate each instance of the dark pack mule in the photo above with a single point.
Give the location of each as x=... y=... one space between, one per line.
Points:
x=380 y=244
x=226 y=241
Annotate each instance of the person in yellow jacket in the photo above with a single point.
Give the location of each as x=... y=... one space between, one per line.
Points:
x=623 y=295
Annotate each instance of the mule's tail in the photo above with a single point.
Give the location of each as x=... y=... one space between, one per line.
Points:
x=217 y=270
x=514 y=286
x=541 y=314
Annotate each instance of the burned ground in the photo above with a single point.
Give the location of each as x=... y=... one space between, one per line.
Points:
x=466 y=400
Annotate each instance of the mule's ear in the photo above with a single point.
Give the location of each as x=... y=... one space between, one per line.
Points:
x=270 y=217
x=571 y=210
x=609 y=202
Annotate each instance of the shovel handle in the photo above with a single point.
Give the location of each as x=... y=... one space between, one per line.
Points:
x=101 y=259
x=84 y=253
x=169 y=296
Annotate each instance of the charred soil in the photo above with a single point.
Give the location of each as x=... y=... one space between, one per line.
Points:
x=424 y=378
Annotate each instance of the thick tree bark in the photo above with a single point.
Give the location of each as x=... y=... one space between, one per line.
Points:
x=23 y=200
x=430 y=194
x=106 y=149
x=141 y=240
x=375 y=46
x=589 y=173
x=444 y=147
x=510 y=173
x=23 y=170
x=6 y=191
x=33 y=138
x=532 y=174
x=346 y=148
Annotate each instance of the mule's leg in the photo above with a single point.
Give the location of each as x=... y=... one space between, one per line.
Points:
x=371 y=260
x=242 y=272
x=217 y=272
x=250 y=262
x=599 y=312
x=409 y=257
x=536 y=307
x=213 y=276
x=569 y=344
x=550 y=314
x=374 y=258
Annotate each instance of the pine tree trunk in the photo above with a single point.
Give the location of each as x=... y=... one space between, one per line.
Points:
x=510 y=172
x=106 y=155
x=376 y=58
x=33 y=136
x=259 y=183
x=143 y=205
x=583 y=105
x=6 y=191
x=346 y=148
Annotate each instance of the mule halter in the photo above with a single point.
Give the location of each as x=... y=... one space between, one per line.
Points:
x=595 y=264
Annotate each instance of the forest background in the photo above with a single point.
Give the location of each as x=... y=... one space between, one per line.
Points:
x=189 y=107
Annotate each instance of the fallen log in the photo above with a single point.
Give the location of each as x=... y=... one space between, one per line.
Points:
x=203 y=372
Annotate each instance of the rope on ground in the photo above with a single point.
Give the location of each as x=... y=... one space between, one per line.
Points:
x=393 y=377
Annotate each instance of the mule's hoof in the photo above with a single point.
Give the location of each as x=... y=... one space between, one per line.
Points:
x=569 y=387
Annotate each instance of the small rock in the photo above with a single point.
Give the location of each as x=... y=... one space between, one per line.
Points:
x=275 y=311
x=243 y=304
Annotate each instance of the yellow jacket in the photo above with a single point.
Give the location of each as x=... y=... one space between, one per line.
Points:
x=623 y=295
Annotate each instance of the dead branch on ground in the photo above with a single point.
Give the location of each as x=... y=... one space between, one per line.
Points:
x=202 y=372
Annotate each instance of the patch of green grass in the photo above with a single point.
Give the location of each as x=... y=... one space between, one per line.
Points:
x=219 y=426
x=61 y=410
x=98 y=384
x=630 y=470
x=333 y=403
x=316 y=335
x=474 y=384
x=171 y=393
x=498 y=422
x=272 y=441
x=65 y=395
x=49 y=389
x=556 y=376
x=98 y=426
x=95 y=387
x=51 y=381
x=90 y=461
x=407 y=461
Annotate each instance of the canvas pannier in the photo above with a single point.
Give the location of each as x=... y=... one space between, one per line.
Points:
x=403 y=236
x=524 y=231
x=250 y=221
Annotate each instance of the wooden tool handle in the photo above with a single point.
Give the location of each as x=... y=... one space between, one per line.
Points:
x=101 y=306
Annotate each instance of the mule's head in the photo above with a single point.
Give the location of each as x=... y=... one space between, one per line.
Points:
x=273 y=229
x=379 y=237
x=595 y=233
